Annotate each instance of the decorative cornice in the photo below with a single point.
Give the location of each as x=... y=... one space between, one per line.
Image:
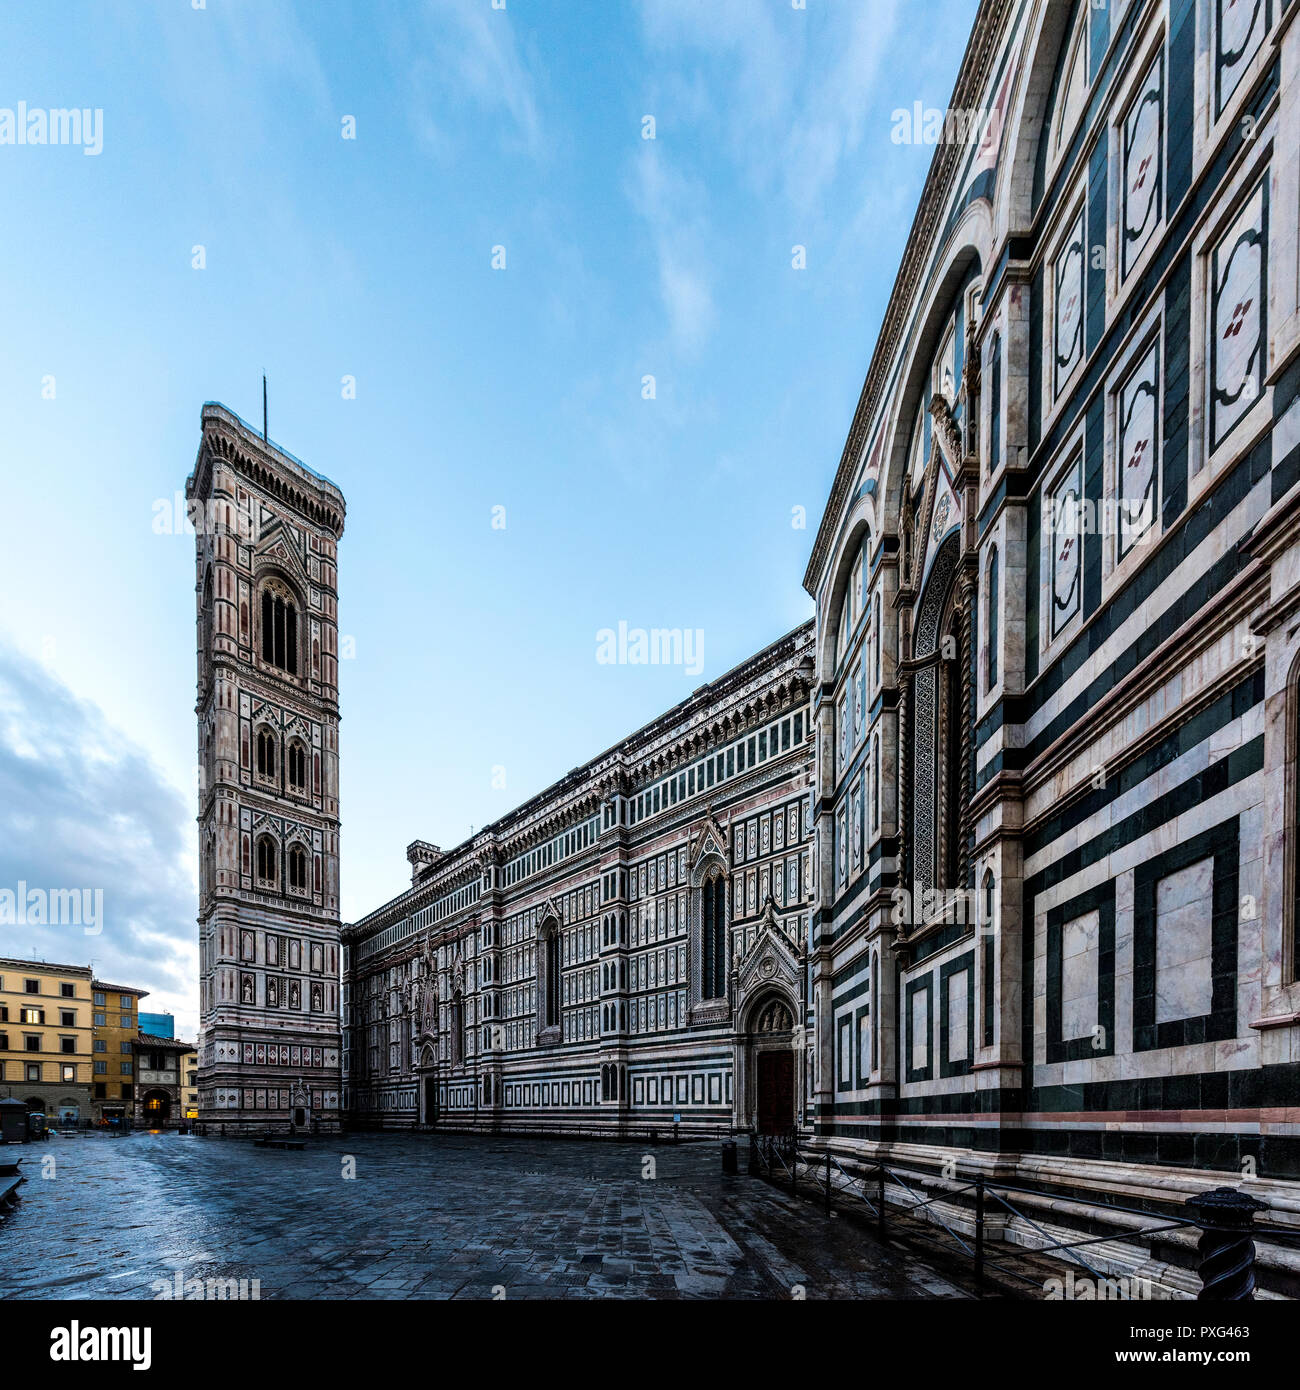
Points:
x=581 y=792
x=265 y=464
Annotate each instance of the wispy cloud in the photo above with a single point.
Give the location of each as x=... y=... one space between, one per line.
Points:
x=775 y=99
x=790 y=91
x=80 y=808
x=465 y=62
x=674 y=209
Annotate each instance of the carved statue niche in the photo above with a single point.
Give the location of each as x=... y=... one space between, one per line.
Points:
x=427 y=989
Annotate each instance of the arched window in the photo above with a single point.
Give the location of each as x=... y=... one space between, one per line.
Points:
x=854 y=603
x=265 y=753
x=457 y=1030
x=842 y=632
x=995 y=402
x=875 y=1009
x=993 y=620
x=267 y=862
x=206 y=618
x=552 y=1015
x=296 y=766
x=988 y=926
x=951 y=715
x=297 y=868
x=713 y=980
x=279 y=630
x=875 y=782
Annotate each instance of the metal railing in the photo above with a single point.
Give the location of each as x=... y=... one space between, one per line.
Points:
x=1224 y=1217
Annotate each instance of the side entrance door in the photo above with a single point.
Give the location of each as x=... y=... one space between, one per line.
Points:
x=776 y=1092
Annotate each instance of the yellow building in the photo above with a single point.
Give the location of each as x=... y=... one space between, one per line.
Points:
x=190 y=1085
x=46 y=1035
x=117 y=1026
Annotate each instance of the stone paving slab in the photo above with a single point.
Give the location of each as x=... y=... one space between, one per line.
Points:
x=431 y=1216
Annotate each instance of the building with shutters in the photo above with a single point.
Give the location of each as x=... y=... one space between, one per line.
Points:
x=118 y=1023
x=46 y=1038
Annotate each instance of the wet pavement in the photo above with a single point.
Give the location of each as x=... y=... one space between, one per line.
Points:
x=430 y=1216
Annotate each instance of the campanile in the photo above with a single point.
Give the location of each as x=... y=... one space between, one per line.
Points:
x=267 y=531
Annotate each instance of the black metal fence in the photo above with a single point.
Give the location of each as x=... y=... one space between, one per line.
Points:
x=1224 y=1217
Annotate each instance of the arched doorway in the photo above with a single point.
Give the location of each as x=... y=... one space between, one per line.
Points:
x=770 y=1046
x=426 y=1072
x=35 y=1105
x=157 y=1107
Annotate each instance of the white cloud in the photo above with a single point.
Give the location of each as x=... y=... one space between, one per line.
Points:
x=790 y=90
x=94 y=812
x=674 y=209
x=466 y=59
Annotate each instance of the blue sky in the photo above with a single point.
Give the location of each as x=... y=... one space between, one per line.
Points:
x=476 y=387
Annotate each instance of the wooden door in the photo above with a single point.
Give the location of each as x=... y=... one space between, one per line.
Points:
x=776 y=1092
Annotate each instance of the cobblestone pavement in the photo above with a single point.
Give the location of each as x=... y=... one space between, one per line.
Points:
x=431 y=1217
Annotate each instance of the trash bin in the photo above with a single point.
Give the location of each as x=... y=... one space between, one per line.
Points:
x=36 y=1127
x=729 y=1156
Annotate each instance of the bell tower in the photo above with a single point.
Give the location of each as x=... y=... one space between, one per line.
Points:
x=267 y=529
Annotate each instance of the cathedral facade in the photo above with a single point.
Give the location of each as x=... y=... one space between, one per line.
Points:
x=624 y=952
x=266 y=531
x=1058 y=646
x=994 y=860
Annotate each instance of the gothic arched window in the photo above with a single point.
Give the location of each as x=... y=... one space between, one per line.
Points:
x=279 y=630
x=855 y=602
x=206 y=619
x=552 y=1015
x=267 y=862
x=951 y=716
x=296 y=767
x=297 y=868
x=457 y=1030
x=713 y=978
x=265 y=753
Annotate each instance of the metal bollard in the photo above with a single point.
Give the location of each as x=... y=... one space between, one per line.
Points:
x=1225 y=1257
